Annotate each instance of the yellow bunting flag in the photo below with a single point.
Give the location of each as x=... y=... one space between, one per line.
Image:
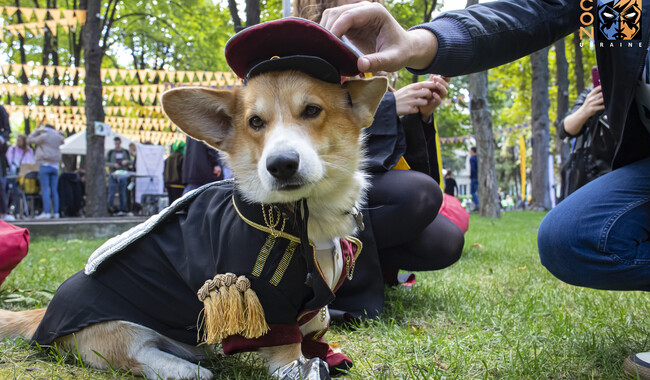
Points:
x=52 y=26
x=10 y=10
x=41 y=14
x=27 y=13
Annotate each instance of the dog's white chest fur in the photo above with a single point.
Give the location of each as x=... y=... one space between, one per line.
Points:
x=330 y=260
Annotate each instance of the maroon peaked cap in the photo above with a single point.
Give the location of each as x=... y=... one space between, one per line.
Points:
x=290 y=44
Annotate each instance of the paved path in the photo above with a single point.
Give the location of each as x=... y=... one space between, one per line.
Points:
x=78 y=228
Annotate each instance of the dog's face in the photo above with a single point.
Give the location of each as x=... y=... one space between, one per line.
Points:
x=287 y=135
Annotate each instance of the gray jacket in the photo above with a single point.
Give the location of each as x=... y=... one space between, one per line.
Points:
x=47 y=142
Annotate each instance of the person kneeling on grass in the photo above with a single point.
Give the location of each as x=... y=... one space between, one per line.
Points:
x=598 y=237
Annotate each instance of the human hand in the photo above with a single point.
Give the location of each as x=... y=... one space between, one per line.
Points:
x=593 y=102
x=217 y=171
x=372 y=29
x=410 y=98
x=440 y=92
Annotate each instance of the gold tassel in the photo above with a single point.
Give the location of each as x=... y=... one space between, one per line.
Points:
x=235 y=311
x=230 y=307
x=255 y=322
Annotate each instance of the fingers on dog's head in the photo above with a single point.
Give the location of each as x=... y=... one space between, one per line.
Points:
x=202 y=113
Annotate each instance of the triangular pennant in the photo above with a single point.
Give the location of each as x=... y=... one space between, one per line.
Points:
x=2 y=34
x=151 y=75
x=81 y=16
x=17 y=69
x=55 y=14
x=38 y=71
x=60 y=71
x=6 y=69
x=113 y=74
x=41 y=14
x=133 y=74
x=72 y=71
x=52 y=26
x=27 y=13
x=27 y=70
x=35 y=28
x=68 y=15
x=143 y=75
x=82 y=72
x=102 y=74
x=123 y=73
x=123 y=111
x=180 y=76
x=50 y=71
x=10 y=10
x=20 y=28
x=190 y=76
x=152 y=97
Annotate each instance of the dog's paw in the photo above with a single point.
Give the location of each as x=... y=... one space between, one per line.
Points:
x=303 y=369
x=181 y=371
x=195 y=373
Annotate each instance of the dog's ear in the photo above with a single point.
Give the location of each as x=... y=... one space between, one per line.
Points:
x=202 y=113
x=365 y=95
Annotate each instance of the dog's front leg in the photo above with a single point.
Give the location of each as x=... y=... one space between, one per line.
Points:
x=287 y=363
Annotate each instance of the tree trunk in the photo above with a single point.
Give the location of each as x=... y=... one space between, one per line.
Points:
x=488 y=196
x=578 y=69
x=252 y=12
x=562 y=79
x=540 y=130
x=23 y=61
x=234 y=14
x=93 y=54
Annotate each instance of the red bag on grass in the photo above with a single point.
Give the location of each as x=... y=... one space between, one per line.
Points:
x=454 y=210
x=14 y=244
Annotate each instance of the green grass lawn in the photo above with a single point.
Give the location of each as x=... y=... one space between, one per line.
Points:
x=497 y=313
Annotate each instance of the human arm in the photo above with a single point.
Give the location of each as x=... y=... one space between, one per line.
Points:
x=584 y=108
x=459 y=42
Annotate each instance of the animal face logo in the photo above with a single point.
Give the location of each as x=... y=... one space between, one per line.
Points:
x=619 y=19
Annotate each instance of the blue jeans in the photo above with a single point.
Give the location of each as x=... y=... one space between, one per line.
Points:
x=473 y=189
x=599 y=236
x=121 y=182
x=49 y=179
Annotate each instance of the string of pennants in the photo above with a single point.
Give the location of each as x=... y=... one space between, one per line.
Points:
x=145 y=76
x=134 y=111
x=456 y=139
x=158 y=130
x=70 y=18
x=136 y=93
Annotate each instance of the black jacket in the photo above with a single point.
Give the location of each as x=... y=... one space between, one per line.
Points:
x=199 y=162
x=152 y=278
x=491 y=34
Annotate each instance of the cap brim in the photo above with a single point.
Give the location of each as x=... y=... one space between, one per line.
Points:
x=313 y=66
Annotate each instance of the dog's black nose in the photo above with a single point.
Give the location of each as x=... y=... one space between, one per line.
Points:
x=283 y=165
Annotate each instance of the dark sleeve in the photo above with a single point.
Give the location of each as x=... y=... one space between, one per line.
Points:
x=417 y=152
x=213 y=156
x=5 y=128
x=491 y=34
x=576 y=105
x=385 y=140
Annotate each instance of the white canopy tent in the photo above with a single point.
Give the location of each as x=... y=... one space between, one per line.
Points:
x=76 y=144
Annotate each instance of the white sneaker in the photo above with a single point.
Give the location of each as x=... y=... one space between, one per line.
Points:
x=44 y=215
x=9 y=218
x=56 y=215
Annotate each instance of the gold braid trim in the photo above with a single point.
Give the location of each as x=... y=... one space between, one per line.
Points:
x=230 y=307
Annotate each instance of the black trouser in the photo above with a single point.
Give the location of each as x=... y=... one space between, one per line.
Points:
x=403 y=207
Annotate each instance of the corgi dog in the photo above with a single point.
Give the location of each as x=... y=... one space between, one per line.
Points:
x=287 y=137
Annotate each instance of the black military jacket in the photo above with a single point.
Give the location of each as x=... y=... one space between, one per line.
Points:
x=150 y=275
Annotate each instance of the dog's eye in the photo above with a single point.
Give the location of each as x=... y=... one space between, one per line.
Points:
x=311 y=111
x=256 y=123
